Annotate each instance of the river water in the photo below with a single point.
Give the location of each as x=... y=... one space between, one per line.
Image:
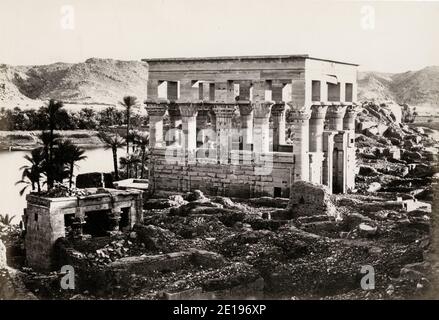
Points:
x=10 y=162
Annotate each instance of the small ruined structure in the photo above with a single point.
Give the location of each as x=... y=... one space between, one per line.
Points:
x=205 y=149
x=311 y=199
x=97 y=214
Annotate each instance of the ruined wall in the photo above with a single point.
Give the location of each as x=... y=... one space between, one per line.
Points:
x=45 y=219
x=44 y=225
x=240 y=178
x=310 y=199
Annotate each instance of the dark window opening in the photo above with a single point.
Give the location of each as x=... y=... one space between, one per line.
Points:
x=172 y=90
x=36 y=217
x=301 y=200
x=68 y=222
x=277 y=192
x=200 y=91
x=315 y=90
x=333 y=92
x=124 y=222
x=97 y=223
x=348 y=92
x=211 y=91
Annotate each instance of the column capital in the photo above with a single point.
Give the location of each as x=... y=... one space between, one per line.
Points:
x=351 y=111
x=262 y=109
x=278 y=108
x=156 y=107
x=300 y=115
x=336 y=110
x=225 y=110
x=188 y=109
x=245 y=108
x=318 y=111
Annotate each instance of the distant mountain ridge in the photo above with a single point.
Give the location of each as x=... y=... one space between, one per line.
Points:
x=415 y=88
x=95 y=81
x=105 y=81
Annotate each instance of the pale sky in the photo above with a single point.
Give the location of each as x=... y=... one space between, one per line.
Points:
x=398 y=36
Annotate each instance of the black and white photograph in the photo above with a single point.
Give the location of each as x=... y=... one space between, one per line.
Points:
x=219 y=150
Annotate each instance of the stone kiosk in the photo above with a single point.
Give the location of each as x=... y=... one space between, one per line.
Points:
x=206 y=95
x=48 y=219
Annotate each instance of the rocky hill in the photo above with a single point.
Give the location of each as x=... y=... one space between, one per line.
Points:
x=93 y=82
x=106 y=81
x=415 y=88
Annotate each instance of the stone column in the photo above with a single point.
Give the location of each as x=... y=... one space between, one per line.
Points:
x=349 y=125
x=316 y=127
x=202 y=119
x=328 y=151
x=335 y=116
x=300 y=118
x=224 y=113
x=349 y=119
x=246 y=112
x=175 y=121
x=261 y=126
x=156 y=111
x=189 y=111
x=212 y=117
x=278 y=113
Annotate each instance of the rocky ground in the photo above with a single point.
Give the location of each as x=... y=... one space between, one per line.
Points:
x=194 y=246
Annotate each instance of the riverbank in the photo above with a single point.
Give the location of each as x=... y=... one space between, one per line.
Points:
x=28 y=140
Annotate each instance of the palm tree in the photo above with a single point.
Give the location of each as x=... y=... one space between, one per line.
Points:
x=71 y=154
x=53 y=109
x=128 y=162
x=6 y=219
x=32 y=173
x=128 y=102
x=142 y=141
x=112 y=142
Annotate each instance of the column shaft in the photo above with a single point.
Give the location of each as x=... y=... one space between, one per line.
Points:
x=261 y=126
x=156 y=111
x=278 y=114
x=224 y=113
x=316 y=127
x=300 y=144
x=188 y=113
x=246 y=112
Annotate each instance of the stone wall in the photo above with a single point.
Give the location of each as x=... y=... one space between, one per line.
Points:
x=240 y=178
